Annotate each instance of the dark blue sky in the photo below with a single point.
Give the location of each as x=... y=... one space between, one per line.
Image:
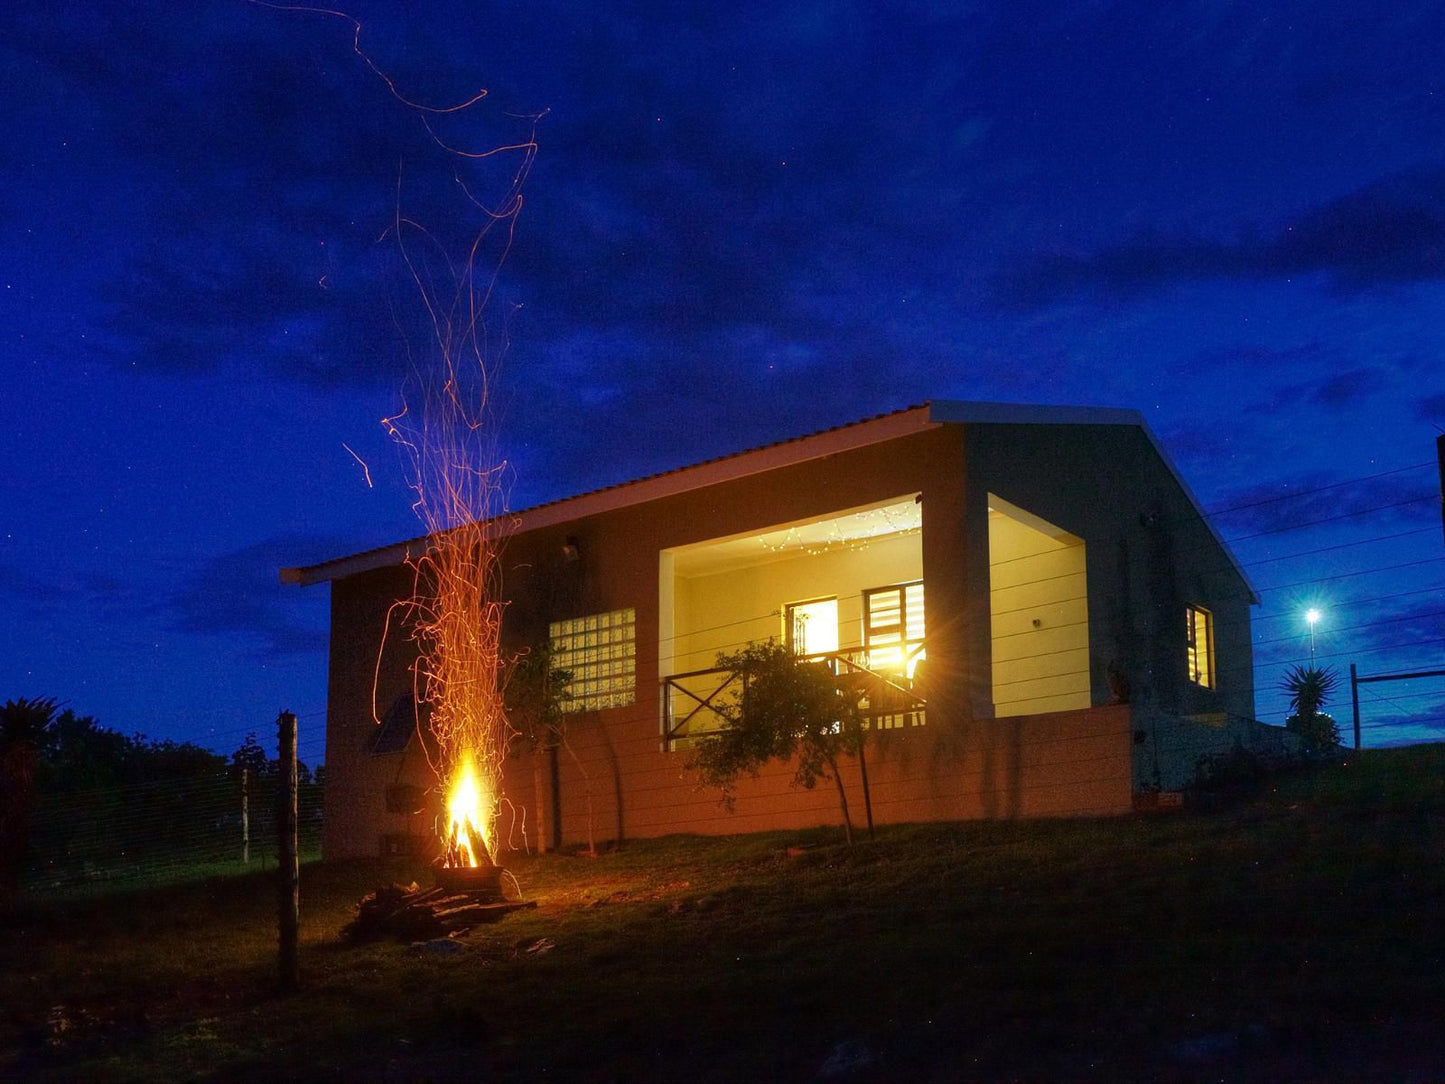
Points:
x=744 y=222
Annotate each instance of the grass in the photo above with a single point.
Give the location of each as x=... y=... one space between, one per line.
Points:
x=1287 y=933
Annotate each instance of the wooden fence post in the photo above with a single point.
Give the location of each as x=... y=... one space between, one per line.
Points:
x=288 y=872
x=245 y=816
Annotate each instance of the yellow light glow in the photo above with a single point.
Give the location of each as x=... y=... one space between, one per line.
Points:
x=469 y=822
x=814 y=628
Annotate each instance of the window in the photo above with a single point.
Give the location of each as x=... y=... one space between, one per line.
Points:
x=600 y=651
x=1200 y=629
x=812 y=627
x=893 y=627
x=398 y=725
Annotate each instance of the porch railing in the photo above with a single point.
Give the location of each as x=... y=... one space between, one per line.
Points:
x=890 y=700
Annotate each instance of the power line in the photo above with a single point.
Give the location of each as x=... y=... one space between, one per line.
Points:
x=1318 y=489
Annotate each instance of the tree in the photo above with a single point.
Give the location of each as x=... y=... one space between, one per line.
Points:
x=24 y=725
x=251 y=757
x=788 y=708
x=533 y=699
x=534 y=696
x=1309 y=688
x=78 y=754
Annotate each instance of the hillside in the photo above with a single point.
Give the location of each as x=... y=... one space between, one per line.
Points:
x=1291 y=932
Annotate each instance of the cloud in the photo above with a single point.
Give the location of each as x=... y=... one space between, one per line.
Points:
x=106 y=595
x=1432 y=410
x=777 y=210
x=1337 y=391
x=1392 y=231
x=239 y=594
x=31 y=589
x=1398 y=622
x=254 y=187
x=722 y=389
x=1345 y=389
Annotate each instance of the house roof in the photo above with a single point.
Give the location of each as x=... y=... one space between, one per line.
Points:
x=825 y=442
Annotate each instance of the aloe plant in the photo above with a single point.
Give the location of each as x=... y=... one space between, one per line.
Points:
x=1309 y=687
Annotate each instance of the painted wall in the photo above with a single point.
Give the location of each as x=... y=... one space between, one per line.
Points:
x=362 y=660
x=1170 y=752
x=1059 y=764
x=724 y=611
x=1148 y=556
x=1039 y=619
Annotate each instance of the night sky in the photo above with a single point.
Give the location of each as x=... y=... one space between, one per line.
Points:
x=745 y=222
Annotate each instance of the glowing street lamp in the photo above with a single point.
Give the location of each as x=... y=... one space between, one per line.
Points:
x=1312 y=616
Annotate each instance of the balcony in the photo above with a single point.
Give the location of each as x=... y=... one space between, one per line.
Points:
x=694 y=703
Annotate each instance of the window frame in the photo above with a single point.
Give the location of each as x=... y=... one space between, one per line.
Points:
x=910 y=651
x=1195 y=615
x=790 y=627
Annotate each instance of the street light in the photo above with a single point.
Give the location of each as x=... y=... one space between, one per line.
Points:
x=1312 y=616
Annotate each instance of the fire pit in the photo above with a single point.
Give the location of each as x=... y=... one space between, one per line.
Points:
x=482 y=883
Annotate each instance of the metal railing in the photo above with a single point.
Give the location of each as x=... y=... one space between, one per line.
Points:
x=889 y=699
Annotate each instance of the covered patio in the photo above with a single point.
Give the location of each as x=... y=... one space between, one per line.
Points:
x=845 y=591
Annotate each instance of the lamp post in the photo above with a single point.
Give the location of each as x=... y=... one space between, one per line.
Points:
x=1312 y=616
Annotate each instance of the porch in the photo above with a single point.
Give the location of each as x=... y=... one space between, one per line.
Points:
x=844 y=591
x=698 y=703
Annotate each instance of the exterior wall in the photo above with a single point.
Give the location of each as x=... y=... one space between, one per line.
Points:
x=1148 y=556
x=1075 y=763
x=356 y=781
x=1170 y=752
x=1039 y=618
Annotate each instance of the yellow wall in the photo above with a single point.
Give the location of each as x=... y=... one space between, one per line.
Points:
x=725 y=610
x=1039 y=616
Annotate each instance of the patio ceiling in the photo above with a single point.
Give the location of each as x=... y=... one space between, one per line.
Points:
x=851 y=528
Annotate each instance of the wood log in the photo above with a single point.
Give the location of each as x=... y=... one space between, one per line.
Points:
x=409 y=913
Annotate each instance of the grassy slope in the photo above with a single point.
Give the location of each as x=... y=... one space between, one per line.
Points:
x=1297 y=932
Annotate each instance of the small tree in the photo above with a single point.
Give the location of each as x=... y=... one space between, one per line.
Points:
x=24 y=726
x=534 y=695
x=251 y=757
x=533 y=699
x=788 y=708
x=1309 y=688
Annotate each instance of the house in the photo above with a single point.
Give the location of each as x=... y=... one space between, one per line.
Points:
x=1041 y=619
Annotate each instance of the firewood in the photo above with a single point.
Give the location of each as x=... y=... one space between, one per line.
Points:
x=409 y=913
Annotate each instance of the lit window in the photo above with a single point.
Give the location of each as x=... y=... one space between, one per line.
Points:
x=600 y=652
x=1201 y=646
x=893 y=627
x=812 y=627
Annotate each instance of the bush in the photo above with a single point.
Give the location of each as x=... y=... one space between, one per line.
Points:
x=1317 y=731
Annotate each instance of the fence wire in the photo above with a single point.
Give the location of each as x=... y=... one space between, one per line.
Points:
x=161 y=832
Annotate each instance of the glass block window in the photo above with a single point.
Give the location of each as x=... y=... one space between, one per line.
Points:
x=600 y=651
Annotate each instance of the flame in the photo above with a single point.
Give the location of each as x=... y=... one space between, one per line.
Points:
x=469 y=819
x=457 y=474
